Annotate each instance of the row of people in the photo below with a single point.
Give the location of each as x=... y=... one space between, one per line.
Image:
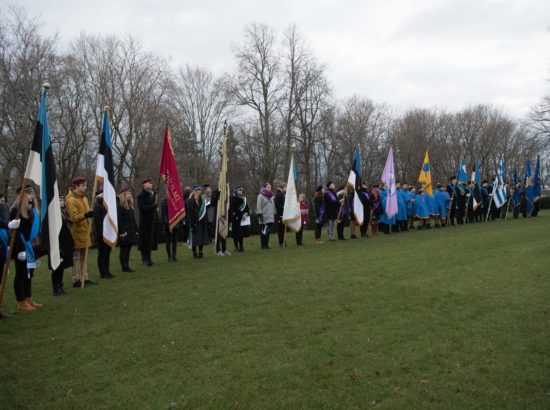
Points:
x=332 y=209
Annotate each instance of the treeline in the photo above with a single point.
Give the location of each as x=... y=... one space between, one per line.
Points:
x=277 y=96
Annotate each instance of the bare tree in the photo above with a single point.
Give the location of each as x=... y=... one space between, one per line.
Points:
x=257 y=86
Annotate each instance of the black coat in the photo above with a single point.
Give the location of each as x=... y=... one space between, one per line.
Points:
x=332 y=205
x=127 y=227
x=279 y=201
x=66 y=243
x=99 y=215
x=24 y=228
x=236 y=217
x=147 y=219
x=199 y=228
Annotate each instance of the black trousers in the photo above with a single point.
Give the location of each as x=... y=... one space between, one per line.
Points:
x=340 y=229
x=171 y=243
x=238 y=242
x=124 y=256
x=318 y=230
x=57 y=278
x=22 y=284
x=221 y=244
x=299 y=236
x=281 y=231
x=264 y=236
x=364 y=228
x=103 y=258
x=194 y=247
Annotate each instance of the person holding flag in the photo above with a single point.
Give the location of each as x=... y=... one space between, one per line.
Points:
x=515 y=201
x=388 y=179
x=528 y=200
x=105 y=209
x=356 y=198
x=460 y=192
x=39 y=230
x=475 y=194
x=173 y=206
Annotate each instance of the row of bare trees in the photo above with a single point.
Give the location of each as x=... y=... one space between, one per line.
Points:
x=278 y=97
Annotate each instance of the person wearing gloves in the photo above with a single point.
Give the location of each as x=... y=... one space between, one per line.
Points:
x=265 y=211
x=5 y=227
x=26 y=248
x=80 y=212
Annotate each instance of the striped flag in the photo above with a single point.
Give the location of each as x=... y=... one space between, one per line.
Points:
x=499 y=191
x=528 y=189
x=475 y=183
x=354 y=181
x=169 y=173
x=41 y=170
x=291 y=212
x=104 y=173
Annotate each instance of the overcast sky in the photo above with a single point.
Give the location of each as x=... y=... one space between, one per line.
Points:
x=444 y=53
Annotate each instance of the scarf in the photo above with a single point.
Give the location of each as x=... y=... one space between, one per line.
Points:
x=332 y=196
x=243 y=204
x=266 y=193
x=31 y=258
x=202 y=209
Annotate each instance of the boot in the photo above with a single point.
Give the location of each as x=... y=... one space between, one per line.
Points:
x=33 y=303
x=23 y=306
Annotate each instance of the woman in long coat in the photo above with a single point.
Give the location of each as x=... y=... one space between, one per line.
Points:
x=198 y=222
x=148 y=218
x=127 y=227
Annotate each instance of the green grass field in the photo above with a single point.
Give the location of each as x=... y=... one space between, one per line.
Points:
x=452 y=318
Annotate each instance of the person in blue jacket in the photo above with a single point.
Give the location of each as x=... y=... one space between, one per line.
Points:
x=402 y=196
x=443 y=201
x=421 y=210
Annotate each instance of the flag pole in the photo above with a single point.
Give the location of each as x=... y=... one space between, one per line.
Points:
x=155 y=215
x=217 y=216
x=12 y=237
x=87 y=251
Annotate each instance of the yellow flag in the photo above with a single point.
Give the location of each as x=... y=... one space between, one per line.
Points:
x=425 y=177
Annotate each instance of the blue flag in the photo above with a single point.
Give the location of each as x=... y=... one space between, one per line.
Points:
x=41 y=170
x=354 y=181
x=517 y=190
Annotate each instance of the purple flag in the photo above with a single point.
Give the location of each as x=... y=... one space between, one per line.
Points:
x=388 y=178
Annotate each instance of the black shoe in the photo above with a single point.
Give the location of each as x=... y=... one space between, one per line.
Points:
x=195 y=256
x=353 y=237
x=77 y=284
x=108 y=275
x=174 y=259
x=89 y=282
x=201 y=255
x=62 y=290
x=56 y=292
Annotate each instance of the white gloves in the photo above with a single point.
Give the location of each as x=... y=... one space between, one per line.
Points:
x=14 y=224
x=22 y=256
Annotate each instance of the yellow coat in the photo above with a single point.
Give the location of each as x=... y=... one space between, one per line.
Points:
x=78 y=206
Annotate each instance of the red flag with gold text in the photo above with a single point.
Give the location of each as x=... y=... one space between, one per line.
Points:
x=169 y=173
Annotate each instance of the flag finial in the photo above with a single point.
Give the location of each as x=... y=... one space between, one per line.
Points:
x=46 y=86
x=106 y=108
